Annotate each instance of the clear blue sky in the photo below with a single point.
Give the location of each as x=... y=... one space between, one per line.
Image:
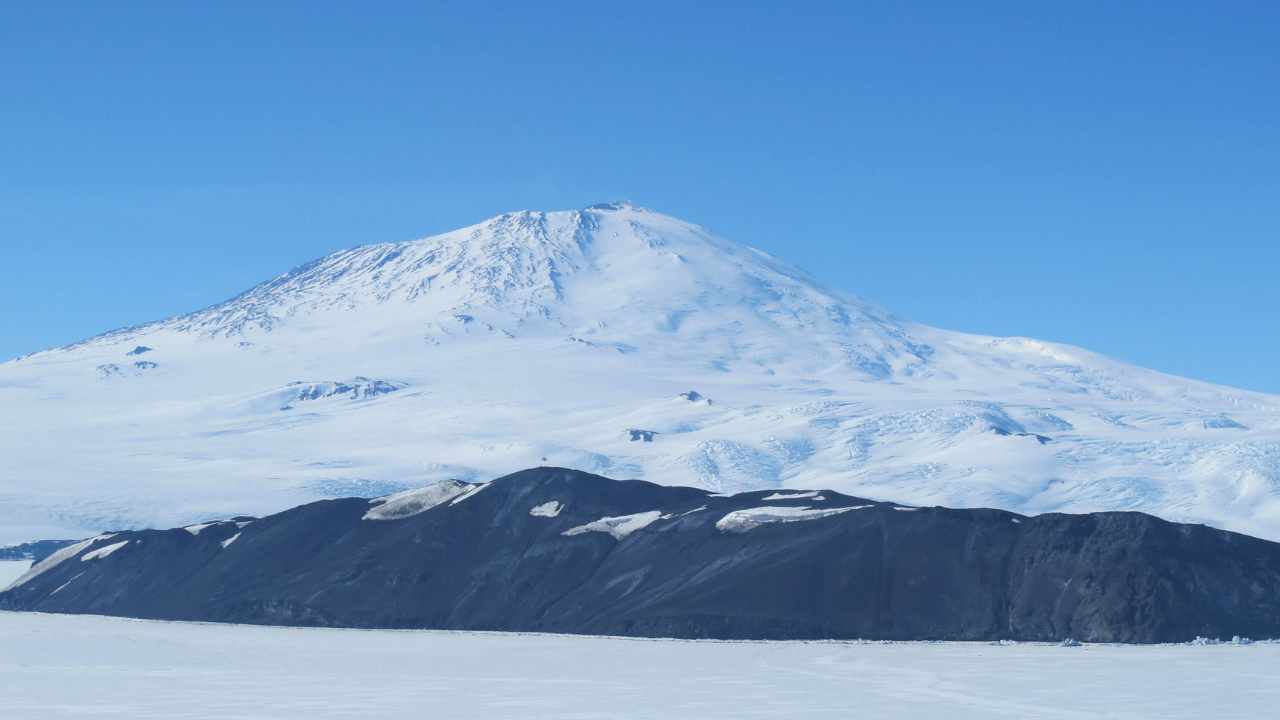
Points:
x=1099 y=173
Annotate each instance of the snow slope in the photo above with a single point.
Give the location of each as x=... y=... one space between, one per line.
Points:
x=82 y=666
x=615 y=340
x=11 y=570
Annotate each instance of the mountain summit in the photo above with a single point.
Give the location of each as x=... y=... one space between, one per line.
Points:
x=613 y=272
x=611 y=339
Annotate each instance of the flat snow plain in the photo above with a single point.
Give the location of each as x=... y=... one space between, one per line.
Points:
x=54 y=666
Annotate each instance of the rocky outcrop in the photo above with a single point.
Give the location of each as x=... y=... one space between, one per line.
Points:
x=633 y=558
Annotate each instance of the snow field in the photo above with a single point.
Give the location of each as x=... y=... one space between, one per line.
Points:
x=81 y=666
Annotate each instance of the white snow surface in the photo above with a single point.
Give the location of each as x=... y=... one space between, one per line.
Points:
x=740 y=521
x=68 y=666
x=811 y=495
x=103 y=551
x=547 y=509
x=11 y=570
x=619 y=527
x=413 y=502
x=538 y=338
x=227 y=543
x=197 y=529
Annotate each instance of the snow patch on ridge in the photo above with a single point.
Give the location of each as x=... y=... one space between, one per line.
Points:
x=812 y=494
x=413 y=502
x=196 y=529
x=546 y=509
x=619 y=527
x=740 y=521
x=103 y=551
x=470 y=492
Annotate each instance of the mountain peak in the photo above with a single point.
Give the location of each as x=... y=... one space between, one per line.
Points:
x=562 y=337
x=612 y=270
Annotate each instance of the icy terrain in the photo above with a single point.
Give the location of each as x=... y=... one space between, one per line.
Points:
x=82 y=666
x=11 y=570
x=615 y=340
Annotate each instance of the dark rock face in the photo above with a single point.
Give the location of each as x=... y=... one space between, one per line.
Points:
x=563 y=551
x=33 y=551
x=358 y=388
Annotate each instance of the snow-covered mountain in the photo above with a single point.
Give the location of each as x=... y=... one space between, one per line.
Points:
x=615 y=340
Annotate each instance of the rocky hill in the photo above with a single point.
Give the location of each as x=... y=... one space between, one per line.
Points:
x=556 y=550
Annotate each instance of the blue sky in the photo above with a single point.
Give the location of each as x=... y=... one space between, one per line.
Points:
x=1102 y=174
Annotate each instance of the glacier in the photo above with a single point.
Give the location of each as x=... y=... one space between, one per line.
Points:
x=553 y=338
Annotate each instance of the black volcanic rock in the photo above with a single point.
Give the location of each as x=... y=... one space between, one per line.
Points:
x=553 y=550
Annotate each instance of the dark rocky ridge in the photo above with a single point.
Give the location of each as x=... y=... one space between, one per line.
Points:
x=879 y=572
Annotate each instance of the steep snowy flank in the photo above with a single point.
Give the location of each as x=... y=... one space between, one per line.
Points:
x=413 y=502
x=613 y=339
x=56 y=559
